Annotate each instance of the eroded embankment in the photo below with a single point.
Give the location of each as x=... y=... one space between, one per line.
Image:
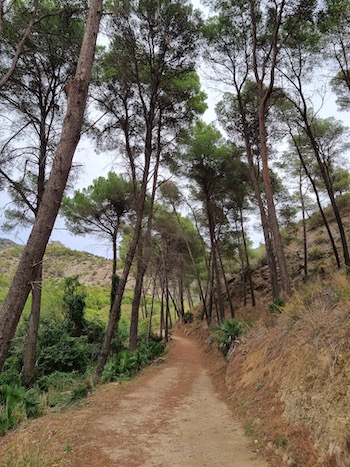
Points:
x=291 y=384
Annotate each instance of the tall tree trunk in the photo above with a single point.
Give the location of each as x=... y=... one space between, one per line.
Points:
x=114 y=278
x=181 y=296
x=167 y=307
x=198 y=278
x=269 y=246
x=303 y=220
x=162 y=320
x=29 y=357
x=318 y=200
x=219 y=297
x=144 y=247
x=115 y=313
x=33 y=253
x=189 y=298
x=245 y=248
x=152 y=307
x=277 y=239
x=229 y=298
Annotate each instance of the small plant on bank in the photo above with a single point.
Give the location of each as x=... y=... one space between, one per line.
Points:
x=228 y=331
x=277 y=305
x=17 y=404
x=188 y=317
x=126 y=364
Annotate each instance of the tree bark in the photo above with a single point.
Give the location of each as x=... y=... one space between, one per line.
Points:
x=318 y=200
x=220 y=298
x=303 y=220
x=245 y=248
x=270 y=250
x=76 y=91
x=29 y=357
x=273 y=222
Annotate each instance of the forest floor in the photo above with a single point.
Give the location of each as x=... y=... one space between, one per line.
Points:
x=173 y=414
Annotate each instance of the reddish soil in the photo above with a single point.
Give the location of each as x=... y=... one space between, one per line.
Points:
x=174 y=414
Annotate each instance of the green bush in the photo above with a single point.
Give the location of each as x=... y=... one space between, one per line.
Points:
x=59 y=351
x=67 y=354
x=277 y=305
x=58 y=380
x=74 y=303
x=188 y=317
x=126 y=364
x=80 y=391
x=227 y=333
x=316 y=254
x=17 y=404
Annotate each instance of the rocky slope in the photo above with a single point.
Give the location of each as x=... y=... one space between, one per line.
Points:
x=59 y=261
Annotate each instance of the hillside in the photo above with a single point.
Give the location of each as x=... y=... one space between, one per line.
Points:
x=321 y=260
x=59 y=261
x=289 y=377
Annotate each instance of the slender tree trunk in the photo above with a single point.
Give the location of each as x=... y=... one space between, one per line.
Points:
x=176 y=308
x=189 y=298
x=330 y=192
x=181 y=296
x=244 y=280
x=199 y=282
x=33 y=253
x=302 y=108
x=269 y=246
x=115 y=313
x=144 y=298
x=277 y=239
x=145 y=250
x=162 y=320
x=152 y=307
x=229 y=299
x=29 y=357
x=220 y=298
x=303 y=219
x=134 y=320
x=167 y=308
x=318 y=200
x=245 y=248
x=114 y=278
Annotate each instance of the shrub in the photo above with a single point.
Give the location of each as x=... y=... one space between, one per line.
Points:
x=277 y=305
x=316 y=254
x=188 y=317
x=80 y=391
x=59 y=351
x=17 y=404
x=227 y=333
x=126 y=364
x=67 y=354
x=57 y=380
x=74 y=302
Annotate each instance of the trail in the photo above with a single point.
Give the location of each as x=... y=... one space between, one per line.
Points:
x=173 y=419
x=171 y=416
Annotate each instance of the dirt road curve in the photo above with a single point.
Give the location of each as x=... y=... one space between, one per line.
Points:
x=171 y=416
x=174 y=419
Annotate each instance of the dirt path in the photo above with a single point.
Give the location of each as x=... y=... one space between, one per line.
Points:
x=170 y=416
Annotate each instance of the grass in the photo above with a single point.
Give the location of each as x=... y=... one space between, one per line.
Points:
x=249 y=428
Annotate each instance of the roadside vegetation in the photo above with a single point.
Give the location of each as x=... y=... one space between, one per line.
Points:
x=71 y=331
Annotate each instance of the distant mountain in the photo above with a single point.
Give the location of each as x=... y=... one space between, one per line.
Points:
x=6 y=243
x=59 y=261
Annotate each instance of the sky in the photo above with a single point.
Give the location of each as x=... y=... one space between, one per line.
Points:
x=92 y=165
